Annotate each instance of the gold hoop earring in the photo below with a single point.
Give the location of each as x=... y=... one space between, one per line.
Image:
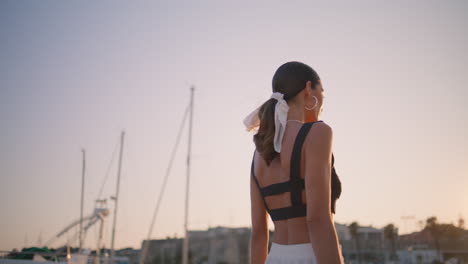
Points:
x=316 y=102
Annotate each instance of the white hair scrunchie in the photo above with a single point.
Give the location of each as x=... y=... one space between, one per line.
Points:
x=252 y=121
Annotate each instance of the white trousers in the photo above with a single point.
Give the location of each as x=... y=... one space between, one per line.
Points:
x=291 y=254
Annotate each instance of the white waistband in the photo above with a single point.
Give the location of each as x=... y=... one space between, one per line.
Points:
x=304 y=249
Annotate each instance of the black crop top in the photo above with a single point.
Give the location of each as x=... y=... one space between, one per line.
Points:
x=295 y=184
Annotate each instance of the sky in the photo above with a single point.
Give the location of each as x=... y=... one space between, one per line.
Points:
x=74 y=75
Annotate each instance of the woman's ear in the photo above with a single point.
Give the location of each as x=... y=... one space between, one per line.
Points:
x=308 y=88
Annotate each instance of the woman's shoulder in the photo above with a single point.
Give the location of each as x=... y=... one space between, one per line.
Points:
x=319 y=139
x=321 y=131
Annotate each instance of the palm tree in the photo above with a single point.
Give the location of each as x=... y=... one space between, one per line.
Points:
x=461 y=223
x=353 y=230
x=390 y=234
x=436 y=231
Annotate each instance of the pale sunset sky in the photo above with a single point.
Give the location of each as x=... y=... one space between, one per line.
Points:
x=75 y=74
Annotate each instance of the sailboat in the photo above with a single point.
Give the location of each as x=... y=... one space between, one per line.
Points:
x=185 y=243
x=63 y=255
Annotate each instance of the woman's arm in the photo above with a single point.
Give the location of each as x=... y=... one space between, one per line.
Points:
x=259 y=234
x=322 y=232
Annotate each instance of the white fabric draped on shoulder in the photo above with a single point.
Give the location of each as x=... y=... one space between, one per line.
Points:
x=252 y=121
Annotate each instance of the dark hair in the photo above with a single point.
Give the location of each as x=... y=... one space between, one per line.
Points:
x=289 y=79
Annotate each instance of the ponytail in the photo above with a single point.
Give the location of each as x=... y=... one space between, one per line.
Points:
x=266 y=132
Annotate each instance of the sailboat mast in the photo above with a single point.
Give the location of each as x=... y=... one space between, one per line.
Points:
x=116 y=198
x=82 y=200
x=185 y=247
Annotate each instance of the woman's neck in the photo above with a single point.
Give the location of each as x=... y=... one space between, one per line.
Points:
x=304 y=116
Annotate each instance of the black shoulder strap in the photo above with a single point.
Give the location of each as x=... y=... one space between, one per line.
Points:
x=295 y=164
x=256 y=182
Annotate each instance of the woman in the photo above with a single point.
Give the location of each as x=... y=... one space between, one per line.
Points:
x=292 y=173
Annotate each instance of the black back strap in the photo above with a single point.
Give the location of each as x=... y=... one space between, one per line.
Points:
x=256 y=181
x=288 y=212
x=279 y=188
x=295 y=166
